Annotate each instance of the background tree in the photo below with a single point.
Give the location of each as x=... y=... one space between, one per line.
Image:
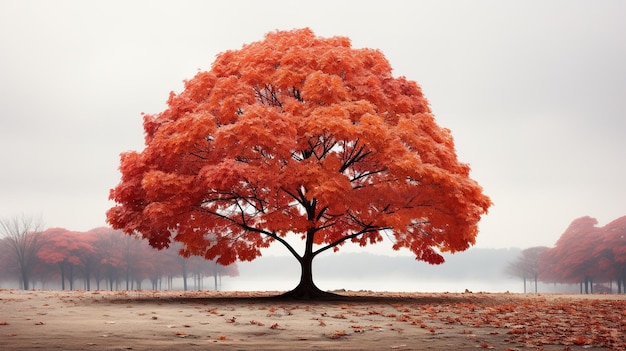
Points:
x=23 y=237
x=298 y=136
x=527 y=264
x=169 y=266
x=88 y=265
x=571 y=260
x=64 y=248
x=131 y=259
x=110 y=252
x=612 y=250
x=201 y=268
x=219 y=271
x=8 y=262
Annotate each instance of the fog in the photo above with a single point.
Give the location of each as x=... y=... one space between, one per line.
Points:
x=476 y=270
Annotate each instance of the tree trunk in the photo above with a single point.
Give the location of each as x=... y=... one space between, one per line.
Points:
x=184 y=269
x=87 y=278
x=25 y=280
x=70 y=276
x=306 y=288
x=127 y=277
x=581 y=287
x=62 y=267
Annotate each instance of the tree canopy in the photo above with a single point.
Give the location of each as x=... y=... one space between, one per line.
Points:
x=586 y=253
x=298 y=135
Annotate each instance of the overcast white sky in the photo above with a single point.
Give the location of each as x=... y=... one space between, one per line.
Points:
x=533 y=91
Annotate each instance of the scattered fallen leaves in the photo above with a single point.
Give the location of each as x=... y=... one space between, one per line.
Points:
x=526 y=321
x=338 y=334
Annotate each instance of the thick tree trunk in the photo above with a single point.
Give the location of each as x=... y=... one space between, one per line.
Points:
x=306 y=288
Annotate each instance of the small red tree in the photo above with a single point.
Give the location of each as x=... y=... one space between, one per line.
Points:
x=572 y=260
x=303 y=136
x=612 y=250
x=64 y=248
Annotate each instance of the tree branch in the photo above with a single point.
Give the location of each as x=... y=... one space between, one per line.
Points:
x=256 y=230
x=343 y=239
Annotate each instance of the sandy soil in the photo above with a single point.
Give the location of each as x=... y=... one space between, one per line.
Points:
x=147 y=320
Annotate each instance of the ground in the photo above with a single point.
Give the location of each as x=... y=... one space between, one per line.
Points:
x=167 y=320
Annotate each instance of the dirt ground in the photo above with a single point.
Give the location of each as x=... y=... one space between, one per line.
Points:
x=175 y=320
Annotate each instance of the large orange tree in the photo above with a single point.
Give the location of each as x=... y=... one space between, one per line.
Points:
x=298 y=135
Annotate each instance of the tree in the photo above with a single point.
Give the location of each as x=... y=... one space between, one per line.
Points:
x=612 y=249
x=89 y=265
x=218 y=271
x=64 y=248
x=8 y=262
x=298 y=136
x=200 y=268
x=526 y=266
x=23 y=236
x=109 y=250
x=571 y=260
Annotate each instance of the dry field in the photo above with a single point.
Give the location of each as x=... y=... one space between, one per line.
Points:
x=175 y=320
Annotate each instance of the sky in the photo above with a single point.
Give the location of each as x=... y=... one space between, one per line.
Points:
x=534 y=93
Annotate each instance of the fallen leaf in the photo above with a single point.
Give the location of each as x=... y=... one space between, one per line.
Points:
x=337 y=334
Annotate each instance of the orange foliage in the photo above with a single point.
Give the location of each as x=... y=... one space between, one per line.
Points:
x=298 y=135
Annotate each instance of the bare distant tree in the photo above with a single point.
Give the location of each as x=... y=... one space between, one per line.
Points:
x=526 y=266
x=23 y=237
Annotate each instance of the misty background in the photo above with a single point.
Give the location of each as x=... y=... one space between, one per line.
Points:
x=533 y=92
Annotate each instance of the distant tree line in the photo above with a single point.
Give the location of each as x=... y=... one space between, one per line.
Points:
x=585 y=254
x=101 y=258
